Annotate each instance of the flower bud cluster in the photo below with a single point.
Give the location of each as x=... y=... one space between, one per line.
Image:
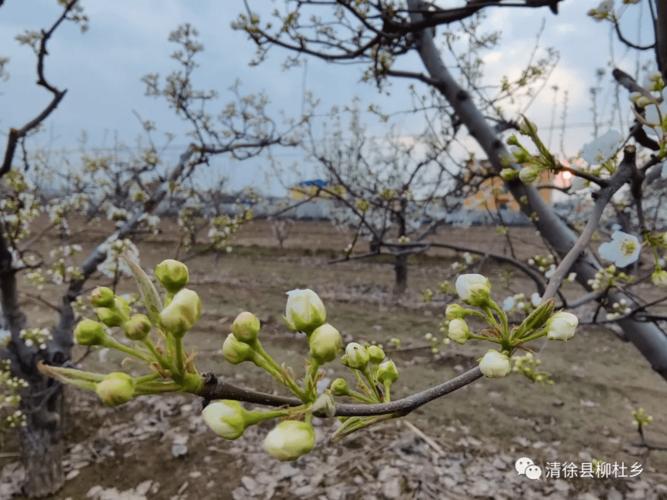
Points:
x=539 y=320
x=170 y=366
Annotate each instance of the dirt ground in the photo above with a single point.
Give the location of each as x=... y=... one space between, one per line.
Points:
x=461 y=446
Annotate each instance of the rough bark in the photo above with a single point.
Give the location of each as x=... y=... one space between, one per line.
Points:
x=647 y=337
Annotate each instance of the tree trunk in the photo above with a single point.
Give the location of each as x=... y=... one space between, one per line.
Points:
x=42 y=444
x=400 y=274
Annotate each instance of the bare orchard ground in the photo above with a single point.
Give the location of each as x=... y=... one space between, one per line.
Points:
x=462 y=446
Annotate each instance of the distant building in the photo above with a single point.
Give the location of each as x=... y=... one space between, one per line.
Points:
x=314 y=187
x=493 y=194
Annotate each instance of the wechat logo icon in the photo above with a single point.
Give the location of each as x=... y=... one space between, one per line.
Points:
x=526 y=467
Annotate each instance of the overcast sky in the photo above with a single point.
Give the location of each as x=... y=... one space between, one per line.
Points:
x=128 y=38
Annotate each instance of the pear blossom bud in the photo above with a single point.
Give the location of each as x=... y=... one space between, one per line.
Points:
x=562 y=325
x=339 y=387
x=102 y=297
x=226 y=418
x=387 y=372
x=89 y=332
x=375 y=353
x=289 y=440
x=236 y=351
x=325 y=343
x=527 y=127
x=512 y=140
x=109 y=316
x=473 y=288
x=456 y=311
x=246 y=327
x=172 y=274
x=509 y=174
x=355 y=356
x=137 y=327
x=659 y=277
x=529 y=174
x=115 y=389
x=458 y=330
x=182 y=312
x=495 y=364
x=304 y=311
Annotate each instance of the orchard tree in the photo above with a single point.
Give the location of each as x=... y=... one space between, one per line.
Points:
x=127 y=192
x=380 y=34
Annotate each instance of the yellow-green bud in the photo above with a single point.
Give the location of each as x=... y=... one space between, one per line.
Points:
x=226 y=418
x=355 y=356
x=456 y=311
x=527 y=127
x=182 y=312
x=512 y=140
x=339 y=387
x=529 y=174
x=458 y=330
x=659 y=277
x=137 y=327
x=325 y=343
x=246 y=327
x=102 y=297
x=115 y=389
x=89 y=332
x=375 y=353
x=509 y=174
x=172 y=274
x=109 y=316
x=387 y=372
x=289 y=440
x=236 y=351
x=304 y=311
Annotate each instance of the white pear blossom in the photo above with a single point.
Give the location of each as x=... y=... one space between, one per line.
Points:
x=226 y=418
x=562 y=325
x=602 y=148
x=495 y=364
x=304 y=310
x=289 y=440
x=468 y=284
x=458 y=330
x=622 y=250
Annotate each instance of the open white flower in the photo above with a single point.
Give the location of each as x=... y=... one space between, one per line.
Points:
x=226 y=418
x=562 y=325
x=622 y=250
x=495 y=364
x=472 y=286
x=602 y=148
x=304 y=310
